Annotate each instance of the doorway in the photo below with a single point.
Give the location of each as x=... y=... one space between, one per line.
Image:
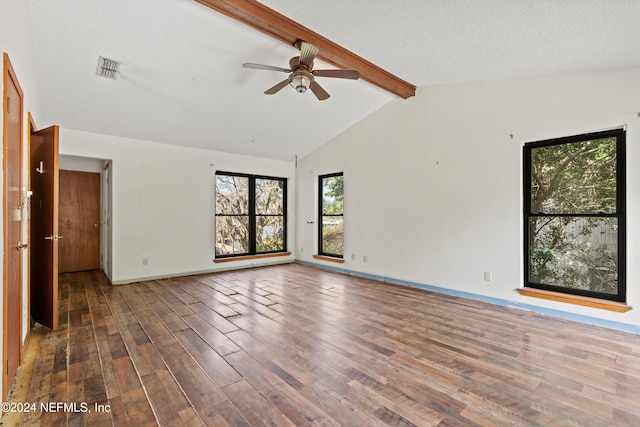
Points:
x=85 y=214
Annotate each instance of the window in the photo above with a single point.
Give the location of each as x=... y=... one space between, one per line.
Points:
x=574 y=215
x=251 y=214
x=331 y=223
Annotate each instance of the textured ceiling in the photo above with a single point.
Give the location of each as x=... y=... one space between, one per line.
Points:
x=431 y=42
x=181 y=80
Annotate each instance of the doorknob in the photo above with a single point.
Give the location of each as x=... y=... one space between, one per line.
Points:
x=56 y=237
x=21 y=245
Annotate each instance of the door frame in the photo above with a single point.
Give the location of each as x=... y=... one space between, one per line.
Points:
x=87 y=164
x=32 y=128
x=106 y=215
x=9 y=73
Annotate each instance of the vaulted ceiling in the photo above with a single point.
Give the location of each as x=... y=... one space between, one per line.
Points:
x=181 y=79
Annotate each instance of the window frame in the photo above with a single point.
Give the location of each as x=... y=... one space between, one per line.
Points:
x=252 y=214
x=620 y=212
x=321 y=214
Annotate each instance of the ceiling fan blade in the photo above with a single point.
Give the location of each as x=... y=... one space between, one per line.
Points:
x=340 y=74
x=307 y=53
x=277 y=87
x=264 y=67
x=319 y=91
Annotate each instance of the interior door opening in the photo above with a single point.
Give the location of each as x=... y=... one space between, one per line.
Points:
x=85 y=214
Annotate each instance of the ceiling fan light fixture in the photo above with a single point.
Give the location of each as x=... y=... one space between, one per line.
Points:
x=300 y=81
x=303 y=75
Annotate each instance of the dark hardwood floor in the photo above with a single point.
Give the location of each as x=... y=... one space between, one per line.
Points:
x=291 y=345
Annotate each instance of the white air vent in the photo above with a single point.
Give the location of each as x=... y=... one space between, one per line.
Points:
x=107 y=68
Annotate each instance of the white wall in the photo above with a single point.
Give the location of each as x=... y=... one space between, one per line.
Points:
x=163 y=202
x=433 y=184
x=81 y=164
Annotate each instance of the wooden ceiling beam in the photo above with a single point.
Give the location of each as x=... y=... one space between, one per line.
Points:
x=278 y=26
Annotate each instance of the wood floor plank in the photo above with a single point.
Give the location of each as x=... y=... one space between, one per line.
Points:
x=271 y=310
x=220 y=372
x=200 y=390
x=125 y=372
x=174 y=286
x=41 y=381
x=293 y=405
x=254 y=406
x=57 y=393
x=167 y=400
x=214 y=318
x=137 y=408
x=288 y=372
x=256 y=294
x=139 y=346
x=168 y=317
x=216 y=339
x=163 y=291
x=294 y=345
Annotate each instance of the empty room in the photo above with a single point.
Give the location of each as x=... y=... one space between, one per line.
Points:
x=301 y=213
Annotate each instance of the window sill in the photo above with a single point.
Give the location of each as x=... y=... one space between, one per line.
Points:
x=329 y=258
x=249 y=257
x=575 y=299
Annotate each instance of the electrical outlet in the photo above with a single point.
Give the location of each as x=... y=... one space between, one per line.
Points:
x=487 y=276
x=145 y=261
x=365 y=258
x=353 y=257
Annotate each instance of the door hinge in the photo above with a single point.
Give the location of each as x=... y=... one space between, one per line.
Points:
x=8 y=104
x=7 y=371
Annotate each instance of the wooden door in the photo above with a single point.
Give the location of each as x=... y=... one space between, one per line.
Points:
x=79 y=212
x=44 y=226
x=13 y=213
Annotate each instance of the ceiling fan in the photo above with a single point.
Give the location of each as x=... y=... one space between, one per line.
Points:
x=302 y=75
